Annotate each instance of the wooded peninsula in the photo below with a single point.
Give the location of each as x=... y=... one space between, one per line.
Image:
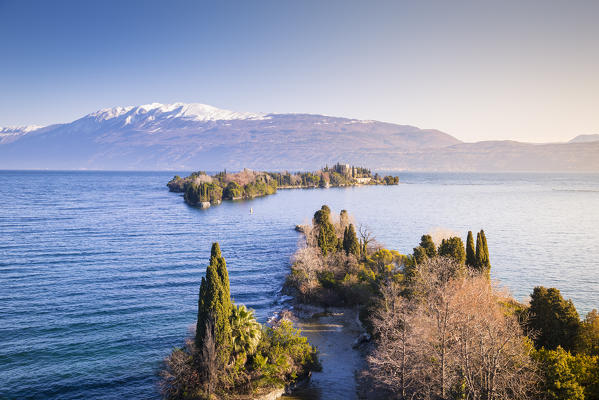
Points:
x=436 y=327
x=203 y=190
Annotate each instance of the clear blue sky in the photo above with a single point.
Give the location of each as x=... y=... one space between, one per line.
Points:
x=526 y=70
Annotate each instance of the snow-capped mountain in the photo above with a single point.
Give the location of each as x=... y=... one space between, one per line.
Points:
x=187 y=137
x=157 y=112
x=12 y=133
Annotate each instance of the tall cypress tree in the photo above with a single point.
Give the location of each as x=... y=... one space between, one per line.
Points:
x=480 y=250
x=487 y=265
x=482 y=254
x=214 y=305
x=350 y=241
x=327 y=238
x=217 y=259
x=203 y=315
x=470 y=251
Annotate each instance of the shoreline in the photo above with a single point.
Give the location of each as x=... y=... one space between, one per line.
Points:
x=334 y=331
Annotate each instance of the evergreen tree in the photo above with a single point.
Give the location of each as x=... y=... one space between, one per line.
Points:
x=480 y=253
x=559 y=377
x=487 y=264
x=453 y=248
x=214 y=306
x=217 y=259
x=203 y=314
x=420 y=255
x=470 y=251
x=426 y=242
x=554 y=319
x=327 y=238
x=350 y=241
x=588 y=337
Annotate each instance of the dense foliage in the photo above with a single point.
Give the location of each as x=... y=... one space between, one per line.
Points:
x=201 y=188
x=441 y=328
x=231 y=353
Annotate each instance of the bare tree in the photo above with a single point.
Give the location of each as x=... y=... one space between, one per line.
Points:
x=366 y=237
x=458 y=339
x=307 y=263
x=179 y=374
x=396 y=357
x=492 y=351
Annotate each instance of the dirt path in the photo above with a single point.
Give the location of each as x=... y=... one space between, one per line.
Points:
x=333 y=332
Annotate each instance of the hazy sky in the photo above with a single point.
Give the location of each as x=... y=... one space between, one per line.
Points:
x=479 y=70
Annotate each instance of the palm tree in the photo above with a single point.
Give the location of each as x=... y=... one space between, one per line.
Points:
x=246 y=331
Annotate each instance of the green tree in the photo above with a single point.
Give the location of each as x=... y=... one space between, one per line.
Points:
x=559 y=381
x=214 y=306
x=245 y=331
x=470 y=251
x=327 y=238
x=487 y=260
x=323 y=215
x=426 y=242
x=482 y=254
x=588 y=337
x=554 y=319
x=453 y=248
x=420 y=255
x=221 y=267
x=232 y=191
x=350 y=241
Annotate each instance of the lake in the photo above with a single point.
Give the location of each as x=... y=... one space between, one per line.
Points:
x=100 y=271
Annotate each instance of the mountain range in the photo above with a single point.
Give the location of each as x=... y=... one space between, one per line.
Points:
x=193 y=136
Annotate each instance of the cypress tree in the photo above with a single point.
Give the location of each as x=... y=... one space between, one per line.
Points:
x=345 y=239
x=487 y=264
x=482 y=254
x=215 y=306
x=350 y=241
x=479 y=256
x=470 y=251
x=202 y=315
x=217 y=259
x=327 y=238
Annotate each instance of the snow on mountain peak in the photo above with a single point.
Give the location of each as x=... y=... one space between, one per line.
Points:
x=191 y=111
x=14 y=130
x=12 y=133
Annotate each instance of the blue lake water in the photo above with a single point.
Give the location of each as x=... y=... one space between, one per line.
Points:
x=99 y=271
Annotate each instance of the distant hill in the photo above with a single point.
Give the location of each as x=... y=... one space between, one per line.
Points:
x=585 y=139
x=195 y=136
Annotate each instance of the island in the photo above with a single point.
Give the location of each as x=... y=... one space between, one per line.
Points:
x=203 y=190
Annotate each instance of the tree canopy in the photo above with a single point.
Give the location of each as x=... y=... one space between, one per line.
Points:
x=554 y=319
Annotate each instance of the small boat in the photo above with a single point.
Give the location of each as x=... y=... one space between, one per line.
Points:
x=251 y=210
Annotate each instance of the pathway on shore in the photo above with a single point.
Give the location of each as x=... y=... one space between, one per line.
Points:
x=333 y=333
